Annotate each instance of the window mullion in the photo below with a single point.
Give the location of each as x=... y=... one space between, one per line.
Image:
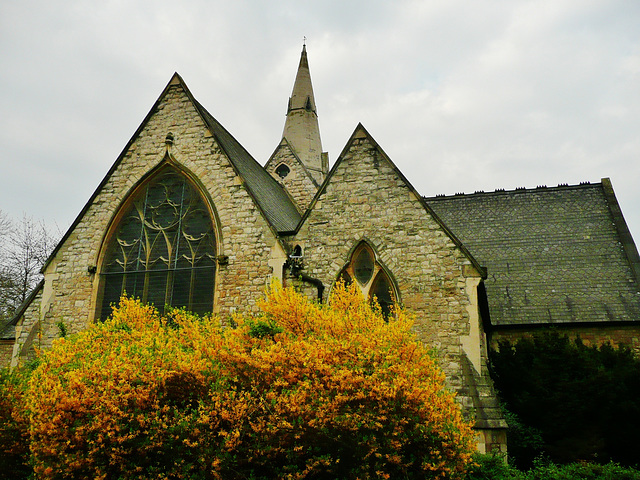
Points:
x=140 y=247
x=172 y=265
x=141 y=275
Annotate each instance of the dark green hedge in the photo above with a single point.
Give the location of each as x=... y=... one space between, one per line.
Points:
x=568 y=401
x=488 y=467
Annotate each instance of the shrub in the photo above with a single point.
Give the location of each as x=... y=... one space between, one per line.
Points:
x=14 y=424
x=525 y=442
x=301 y=391
x=491 y=467
x=581 y=471
x=584 y=402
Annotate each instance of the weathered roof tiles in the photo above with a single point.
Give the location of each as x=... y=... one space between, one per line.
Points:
x=553 y=254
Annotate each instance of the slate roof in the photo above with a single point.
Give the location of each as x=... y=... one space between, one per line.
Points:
x=8 y=330
x=267 y=192
x=553 y=255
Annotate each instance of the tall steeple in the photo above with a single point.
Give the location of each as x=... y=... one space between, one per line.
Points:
x=301 y=128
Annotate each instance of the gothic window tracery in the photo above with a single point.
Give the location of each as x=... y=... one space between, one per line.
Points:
x=372 y=279
x=163 y=249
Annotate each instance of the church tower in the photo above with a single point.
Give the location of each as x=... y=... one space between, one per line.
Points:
x=298 y=162
x=301 y=128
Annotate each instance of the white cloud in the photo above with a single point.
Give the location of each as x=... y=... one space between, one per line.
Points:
x=462 y=95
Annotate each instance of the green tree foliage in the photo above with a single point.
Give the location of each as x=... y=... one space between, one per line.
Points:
x=301 y=391
x=583 y=402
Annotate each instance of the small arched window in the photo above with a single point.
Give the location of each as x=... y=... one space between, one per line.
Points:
x=363 y=264
x=370 y=276
x=382 y=291
x=163 y=248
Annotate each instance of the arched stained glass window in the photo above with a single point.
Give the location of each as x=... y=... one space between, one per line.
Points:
x=163 y=249
x=363 y=264
x=382 y=291
x=372 y=279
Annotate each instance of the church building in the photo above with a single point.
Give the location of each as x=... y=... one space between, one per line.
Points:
x=187 y=217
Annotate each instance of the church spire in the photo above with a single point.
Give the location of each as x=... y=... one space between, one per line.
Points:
x=301 y=128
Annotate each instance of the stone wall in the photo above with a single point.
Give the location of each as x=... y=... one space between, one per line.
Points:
x=493 y=442
x=6 y=352
x=298 y=183
x=28 y=332
x=367 y=199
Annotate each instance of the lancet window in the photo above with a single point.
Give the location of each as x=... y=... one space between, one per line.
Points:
x=366 y=271
x=163 y=248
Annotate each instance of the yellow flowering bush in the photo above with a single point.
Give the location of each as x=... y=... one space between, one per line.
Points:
x=300 y=391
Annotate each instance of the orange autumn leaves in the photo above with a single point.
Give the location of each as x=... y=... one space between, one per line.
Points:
x=301 y=391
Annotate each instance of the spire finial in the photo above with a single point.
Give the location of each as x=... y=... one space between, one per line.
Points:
x=304 y=41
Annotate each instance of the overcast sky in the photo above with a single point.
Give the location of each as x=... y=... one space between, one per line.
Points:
x=462 y=95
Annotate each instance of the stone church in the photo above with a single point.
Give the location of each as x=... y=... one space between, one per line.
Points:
x=187 y=217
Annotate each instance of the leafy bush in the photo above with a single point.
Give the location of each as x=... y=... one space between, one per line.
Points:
x=491 y=467
x=14 y=425
x=584 y=402
x=581 y=471
x=302 y=391
x=525 y=443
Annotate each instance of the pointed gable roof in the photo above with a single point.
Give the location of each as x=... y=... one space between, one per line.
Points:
x=359 y=133
x=8 y=329
x=284 y=144
x=268 y=194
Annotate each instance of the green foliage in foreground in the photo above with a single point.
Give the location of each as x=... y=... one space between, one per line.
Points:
x=489 y=467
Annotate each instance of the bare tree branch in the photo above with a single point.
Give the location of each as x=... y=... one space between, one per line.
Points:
x=24 y=247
